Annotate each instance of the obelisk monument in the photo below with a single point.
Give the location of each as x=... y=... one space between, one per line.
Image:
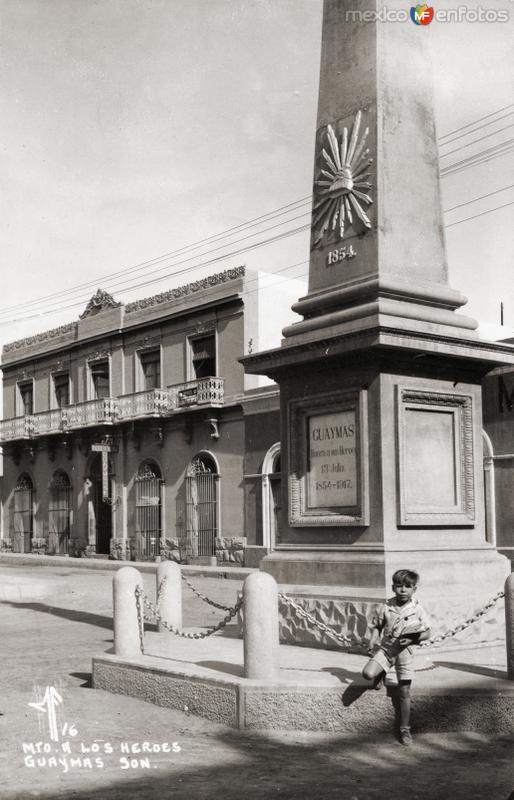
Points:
x=381 y=382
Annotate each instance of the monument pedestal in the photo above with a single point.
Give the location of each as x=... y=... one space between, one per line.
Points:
x=380 y=383
x=384 y=471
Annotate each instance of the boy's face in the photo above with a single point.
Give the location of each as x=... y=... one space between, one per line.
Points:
x=403 y=592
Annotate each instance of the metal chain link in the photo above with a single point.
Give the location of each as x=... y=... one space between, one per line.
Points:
x=434 y=640
x=340 y=637
x=203 y=596
x=143 y=601
x=154 y=609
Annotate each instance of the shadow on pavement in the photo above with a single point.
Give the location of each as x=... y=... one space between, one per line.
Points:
x=83 y=676
x=223 y=666
x=489 y=672
x=67 y=613
x=257 y=766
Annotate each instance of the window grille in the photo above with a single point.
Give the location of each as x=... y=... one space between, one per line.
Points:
x=23 y=513
x=59 y=513
x=201 y=507
x=148 y=510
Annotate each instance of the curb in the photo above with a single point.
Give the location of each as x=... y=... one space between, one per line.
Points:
x=29 y=560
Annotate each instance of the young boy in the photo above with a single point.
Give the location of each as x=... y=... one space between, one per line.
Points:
x=402 y=623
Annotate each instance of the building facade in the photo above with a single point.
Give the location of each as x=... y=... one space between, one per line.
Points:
x=498 y=405
x=134 y=431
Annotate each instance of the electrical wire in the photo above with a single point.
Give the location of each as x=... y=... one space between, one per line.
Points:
x=475 y=199
x=480 y=119
x=137 y=267
x=473 y=160
x=478 y=128
x=482 y=214
x=476 y=141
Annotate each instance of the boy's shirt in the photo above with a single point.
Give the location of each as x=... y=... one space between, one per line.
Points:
x=393 y=620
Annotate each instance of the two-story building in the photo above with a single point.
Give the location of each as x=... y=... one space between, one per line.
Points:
x=134 y=430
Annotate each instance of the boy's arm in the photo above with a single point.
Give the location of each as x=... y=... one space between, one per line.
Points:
x=414 y=638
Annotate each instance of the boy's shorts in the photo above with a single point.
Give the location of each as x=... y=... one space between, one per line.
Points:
x=401 y=662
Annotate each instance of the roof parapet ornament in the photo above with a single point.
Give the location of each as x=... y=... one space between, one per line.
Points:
x=101 y=301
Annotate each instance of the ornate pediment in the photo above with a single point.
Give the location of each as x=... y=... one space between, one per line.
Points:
x=101 y=301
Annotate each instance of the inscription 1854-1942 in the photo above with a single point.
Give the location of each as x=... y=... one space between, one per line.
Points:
x=332 y=465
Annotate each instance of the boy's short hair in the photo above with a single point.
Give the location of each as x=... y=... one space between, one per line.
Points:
x=406 y=577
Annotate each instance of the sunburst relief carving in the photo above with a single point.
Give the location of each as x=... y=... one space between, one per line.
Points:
x=340 y=188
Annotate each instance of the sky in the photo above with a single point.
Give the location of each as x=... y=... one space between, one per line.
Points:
x=133 y=129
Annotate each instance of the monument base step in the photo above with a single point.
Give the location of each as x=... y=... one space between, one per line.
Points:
x=316 y=690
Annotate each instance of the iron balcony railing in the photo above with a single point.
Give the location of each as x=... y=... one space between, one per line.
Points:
x=92 y=412
x=46 y=422
x=149 y=403
x=109 y=410
x=199 y=392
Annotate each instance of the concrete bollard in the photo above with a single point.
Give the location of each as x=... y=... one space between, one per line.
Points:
x=509 y=624
x=127 y=640
x=261 y=637
x=170 y=597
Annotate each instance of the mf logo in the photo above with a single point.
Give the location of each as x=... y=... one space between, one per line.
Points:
x=422 y=14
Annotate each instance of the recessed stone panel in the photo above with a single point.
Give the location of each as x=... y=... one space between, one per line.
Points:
x=435 y=458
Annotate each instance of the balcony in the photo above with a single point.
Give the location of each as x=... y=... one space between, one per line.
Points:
x=92 y=412
x=151 y=403
x=200 y=392
x=59 y=420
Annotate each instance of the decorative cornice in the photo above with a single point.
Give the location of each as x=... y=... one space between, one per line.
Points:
x=101 y=301
x=187 y=289
x=147 y=342
x=28 y=341
x=98 y=355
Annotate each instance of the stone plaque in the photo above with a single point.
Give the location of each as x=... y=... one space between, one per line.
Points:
x=328 y=460
x=332 y=465
x=435 y=453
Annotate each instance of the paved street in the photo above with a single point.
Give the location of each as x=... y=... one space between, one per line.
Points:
x=116 y=747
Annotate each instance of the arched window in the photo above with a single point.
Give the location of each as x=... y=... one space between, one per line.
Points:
x=23 y=518
x=202 y=485
x=59 y=513
x=271 y=496
x=148 y=510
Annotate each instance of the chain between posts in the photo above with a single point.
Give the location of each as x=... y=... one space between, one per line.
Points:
x=142 y=601
x=203 y=596
x=434 y=640
x=340 y=637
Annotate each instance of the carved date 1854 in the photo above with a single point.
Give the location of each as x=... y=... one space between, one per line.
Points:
x=341 y=254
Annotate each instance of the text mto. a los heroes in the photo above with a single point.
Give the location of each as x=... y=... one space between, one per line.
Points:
x=332 y=464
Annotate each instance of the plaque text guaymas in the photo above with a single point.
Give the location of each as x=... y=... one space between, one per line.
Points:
x=332 y=470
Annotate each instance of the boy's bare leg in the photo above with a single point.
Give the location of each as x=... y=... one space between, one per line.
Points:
x=404 y=692
x=373 y=671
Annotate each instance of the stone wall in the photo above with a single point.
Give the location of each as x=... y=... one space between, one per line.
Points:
x=230 y=550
